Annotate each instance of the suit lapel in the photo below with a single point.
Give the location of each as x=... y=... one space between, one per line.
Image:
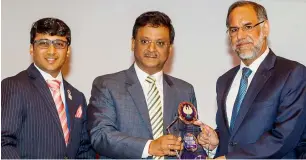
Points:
x=260 y=78
x=70 y=103
x=169 y=102
x=227 y=86
x=45 y=93
x=136 y=92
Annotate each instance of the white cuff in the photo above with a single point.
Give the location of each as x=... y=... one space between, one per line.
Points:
x=211 y=153
x=145 y=152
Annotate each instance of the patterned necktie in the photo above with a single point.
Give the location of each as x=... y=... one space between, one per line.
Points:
x=155 y=110
x=54 y=85
x=246 y=72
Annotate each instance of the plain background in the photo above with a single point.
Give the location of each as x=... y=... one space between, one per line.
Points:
x=102 y=31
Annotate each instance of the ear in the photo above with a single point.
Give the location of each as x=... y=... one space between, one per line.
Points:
x=171 y=49
x=31 y=49
x=69 y=51
x=132 y=44
x=266 y=28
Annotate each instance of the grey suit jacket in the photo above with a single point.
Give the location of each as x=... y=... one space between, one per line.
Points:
x=118 y=115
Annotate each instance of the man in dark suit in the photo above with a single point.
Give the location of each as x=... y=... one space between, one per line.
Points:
x=130 y=110
x=42 y=115
x=261 y=103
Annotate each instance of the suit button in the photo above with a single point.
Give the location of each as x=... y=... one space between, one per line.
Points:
x=175 y=129
x=233 y=143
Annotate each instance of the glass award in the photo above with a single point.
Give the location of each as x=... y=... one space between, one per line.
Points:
x=183 y=127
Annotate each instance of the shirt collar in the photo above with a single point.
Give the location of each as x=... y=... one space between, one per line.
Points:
x=47 y=76
x=255 y=65
x=142 y=76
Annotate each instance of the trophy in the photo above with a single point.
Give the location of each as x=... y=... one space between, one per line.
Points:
x=187 y=114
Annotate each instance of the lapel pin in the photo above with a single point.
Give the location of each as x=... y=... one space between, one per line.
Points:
x=69 y=94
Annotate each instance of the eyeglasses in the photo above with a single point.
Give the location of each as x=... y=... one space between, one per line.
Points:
x=248 y=28
x=159 y=43
x=46 y=43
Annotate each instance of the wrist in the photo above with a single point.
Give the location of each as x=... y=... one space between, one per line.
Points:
x=151 y=148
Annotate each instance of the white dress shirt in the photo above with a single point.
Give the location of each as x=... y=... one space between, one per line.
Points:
x=232 y=94
x=142 y=76
x=59 y=77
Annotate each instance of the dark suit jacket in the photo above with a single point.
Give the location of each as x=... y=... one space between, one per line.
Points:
x=118 y=114
x=30 y=125
x=301 y=148
x=272 y=115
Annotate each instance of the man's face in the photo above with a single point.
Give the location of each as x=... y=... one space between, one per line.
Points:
x=151 y=48
x=49 y=57
x=247 y=43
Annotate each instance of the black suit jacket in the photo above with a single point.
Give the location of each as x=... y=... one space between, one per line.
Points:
x=272 y=115
x=301 y=148
x=30 y=125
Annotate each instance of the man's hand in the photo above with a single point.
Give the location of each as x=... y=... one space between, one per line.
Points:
x=208 y=138
x=165 y=145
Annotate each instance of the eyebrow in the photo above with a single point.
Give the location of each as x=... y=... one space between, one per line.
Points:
x=159 y=39
x=41 y=39
x=246 y=24
x=249 y=23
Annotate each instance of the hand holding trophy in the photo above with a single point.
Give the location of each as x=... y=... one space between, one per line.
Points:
x=187 y=116
x=208 y=138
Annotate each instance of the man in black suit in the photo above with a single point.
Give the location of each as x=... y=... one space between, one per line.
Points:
x=42 y=115
x=261 y=103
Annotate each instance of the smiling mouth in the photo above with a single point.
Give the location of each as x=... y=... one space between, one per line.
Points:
x=150 y=55
x=51 y=60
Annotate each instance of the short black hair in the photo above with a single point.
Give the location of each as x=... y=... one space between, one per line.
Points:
x=156 y=19
x=50 y=26
x=259 y=9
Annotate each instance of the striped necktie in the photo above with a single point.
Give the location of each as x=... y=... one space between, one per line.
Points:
x=246 y=72
x=155 y=110
x=54 y=85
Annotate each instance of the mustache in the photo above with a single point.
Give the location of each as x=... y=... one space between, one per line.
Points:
x=245 y=40
x=150 y=54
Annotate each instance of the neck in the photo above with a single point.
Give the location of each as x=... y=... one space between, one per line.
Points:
x=149 y=70
x=54 y=75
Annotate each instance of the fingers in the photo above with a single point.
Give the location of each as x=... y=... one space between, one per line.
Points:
x=203 y=135
x=198 y=123
x=172 y=153
x=204 y=127
x=172 y=145
x=169 y=144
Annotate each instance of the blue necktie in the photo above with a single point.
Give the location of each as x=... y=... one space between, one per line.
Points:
x=246 y=72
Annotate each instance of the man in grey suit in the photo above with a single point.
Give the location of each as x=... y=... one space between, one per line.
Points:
x=130 y=110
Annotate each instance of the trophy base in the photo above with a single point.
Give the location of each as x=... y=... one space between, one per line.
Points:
x=193 y=155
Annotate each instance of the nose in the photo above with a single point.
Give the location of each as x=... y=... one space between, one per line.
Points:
x=152 y=47
x=241 y=34
x=51 y=49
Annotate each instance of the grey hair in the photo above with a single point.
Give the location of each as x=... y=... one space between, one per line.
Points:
x=259 y=9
